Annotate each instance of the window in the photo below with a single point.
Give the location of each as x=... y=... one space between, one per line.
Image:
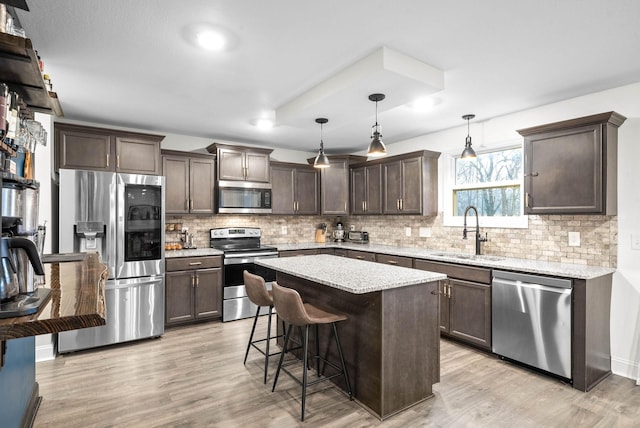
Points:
x=493 y=184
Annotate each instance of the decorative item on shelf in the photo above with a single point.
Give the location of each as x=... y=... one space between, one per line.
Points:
x=321 y=160
x=376 y=147
x=468 y=152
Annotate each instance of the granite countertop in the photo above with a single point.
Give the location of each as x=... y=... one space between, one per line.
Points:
x=76 y=300
x=192 y=252
x=568 y=270
x=353 y=276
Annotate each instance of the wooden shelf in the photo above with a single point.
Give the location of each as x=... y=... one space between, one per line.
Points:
x=19 y=70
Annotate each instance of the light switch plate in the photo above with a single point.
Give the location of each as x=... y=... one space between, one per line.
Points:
x=425 y=232
x=574 y=239
x=407 y=231
x=283 y=230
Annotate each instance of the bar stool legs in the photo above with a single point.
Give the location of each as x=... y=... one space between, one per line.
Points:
x=253 y=343
x=342 y=370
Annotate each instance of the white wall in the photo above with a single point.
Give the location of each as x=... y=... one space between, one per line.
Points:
x=625 y=304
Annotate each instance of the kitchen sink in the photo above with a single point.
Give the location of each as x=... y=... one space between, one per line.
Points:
x=464 y=256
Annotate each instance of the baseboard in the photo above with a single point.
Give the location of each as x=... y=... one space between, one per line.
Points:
x=626 y=368
x=45 y=352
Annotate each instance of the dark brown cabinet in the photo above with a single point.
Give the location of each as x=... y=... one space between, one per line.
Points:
x=236 y=163
x=570 y=167
x=410 y=183
x=97 y=149
x=465 y=301
x=295 y=253
x=193 y=289
x=366 y=189
x=334 y=184
x=294 y=189
x=189 y=183
x=361 y=255
x=394 y=260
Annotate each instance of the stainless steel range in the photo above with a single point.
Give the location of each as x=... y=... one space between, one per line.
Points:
x=241 y=247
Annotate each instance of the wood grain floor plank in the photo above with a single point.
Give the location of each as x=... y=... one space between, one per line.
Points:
x=194 y=377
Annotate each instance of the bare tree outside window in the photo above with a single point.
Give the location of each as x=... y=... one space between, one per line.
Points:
x=490 y=182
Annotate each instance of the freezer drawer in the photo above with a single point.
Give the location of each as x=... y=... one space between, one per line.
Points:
x=135 y=310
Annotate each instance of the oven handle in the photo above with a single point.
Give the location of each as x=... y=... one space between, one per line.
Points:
x=247 y=258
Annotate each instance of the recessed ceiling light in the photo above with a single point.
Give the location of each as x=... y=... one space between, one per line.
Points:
x=264 y=124
x=211 y=40
x=424 y=104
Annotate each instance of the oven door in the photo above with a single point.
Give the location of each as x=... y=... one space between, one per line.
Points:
x=235 y=304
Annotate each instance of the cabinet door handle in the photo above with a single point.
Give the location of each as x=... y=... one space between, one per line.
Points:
x=117 y=161
x=527 y=200
x=107 y=160
x=190 y=204
x=195 y=263
x=532 y=174
x=398 y=204
x=193 y=281
x=197 y=280
x=401 y=204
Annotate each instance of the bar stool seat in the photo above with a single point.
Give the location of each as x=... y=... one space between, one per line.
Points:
x=261 y=297
x=293 y=311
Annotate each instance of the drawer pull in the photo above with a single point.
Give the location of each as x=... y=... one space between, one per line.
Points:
x=392 y=262
x=195 y=263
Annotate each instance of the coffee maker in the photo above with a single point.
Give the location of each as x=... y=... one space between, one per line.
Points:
x=20 y=263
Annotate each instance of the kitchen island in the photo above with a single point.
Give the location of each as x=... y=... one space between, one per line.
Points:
x=391 y=339
x=76 y=301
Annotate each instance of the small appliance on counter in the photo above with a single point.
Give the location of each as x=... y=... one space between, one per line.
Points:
x=339 y=232
x=358 y=237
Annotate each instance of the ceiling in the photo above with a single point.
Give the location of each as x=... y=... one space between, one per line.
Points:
x=133 y=63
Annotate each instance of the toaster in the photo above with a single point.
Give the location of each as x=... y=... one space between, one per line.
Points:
x=360 y=237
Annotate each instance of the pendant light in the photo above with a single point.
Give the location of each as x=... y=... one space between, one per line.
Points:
x=321 y=159
x=468 y=152
x=376 y=147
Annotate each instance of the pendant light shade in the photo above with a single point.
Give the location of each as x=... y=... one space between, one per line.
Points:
x=376 y=147
x=321 y=160
x=468 y=152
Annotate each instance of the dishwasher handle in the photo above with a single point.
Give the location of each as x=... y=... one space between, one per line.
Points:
x=514 y=278
x=531 y=286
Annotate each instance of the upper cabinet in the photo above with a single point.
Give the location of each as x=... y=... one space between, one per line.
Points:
x=189 y=184
x=410 y=183
x=366 y=189
x=20 y=71
x=97 y=149
x=334 y=184
x=570 y=167
x=294 y=189
x=236 y=163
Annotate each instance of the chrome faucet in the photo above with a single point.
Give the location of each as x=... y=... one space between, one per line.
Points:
x=479 y=238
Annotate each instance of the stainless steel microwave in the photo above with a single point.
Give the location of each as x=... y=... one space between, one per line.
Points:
x=238 y=197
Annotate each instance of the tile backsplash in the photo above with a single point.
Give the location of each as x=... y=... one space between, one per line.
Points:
x=546 y=238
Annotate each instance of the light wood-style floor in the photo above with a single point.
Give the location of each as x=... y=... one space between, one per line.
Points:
x=194 y=377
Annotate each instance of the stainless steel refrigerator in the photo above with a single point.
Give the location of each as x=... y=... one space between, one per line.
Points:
x=121 y=216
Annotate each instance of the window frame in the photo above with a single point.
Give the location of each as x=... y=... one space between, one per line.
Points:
x=506 y=222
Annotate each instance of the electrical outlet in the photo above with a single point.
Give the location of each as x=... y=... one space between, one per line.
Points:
x=283 y=230
x=352 y=227
x=635 y=241
x=574 y=239
x=425 y=232
x=407 y=231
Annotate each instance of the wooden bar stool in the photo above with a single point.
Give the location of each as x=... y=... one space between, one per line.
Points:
x=260 y=296
x=293 y=311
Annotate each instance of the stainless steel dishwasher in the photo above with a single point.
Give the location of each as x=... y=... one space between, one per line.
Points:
x=531 y=320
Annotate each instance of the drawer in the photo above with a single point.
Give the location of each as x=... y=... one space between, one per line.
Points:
x=361 y=255
x=192 y=263
x=340 y=252
x=295 y=253
x=468 y=273
x=395 y=260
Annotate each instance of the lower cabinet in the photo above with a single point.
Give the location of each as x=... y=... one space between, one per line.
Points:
x=465 y=301
x=193 y=289
x=361 y=255
x=394 y=260
x=294 y=253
